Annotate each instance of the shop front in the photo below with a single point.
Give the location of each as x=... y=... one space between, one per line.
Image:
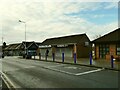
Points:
x=66 y=49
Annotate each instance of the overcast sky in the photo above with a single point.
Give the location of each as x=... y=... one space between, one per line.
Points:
x=48 y=19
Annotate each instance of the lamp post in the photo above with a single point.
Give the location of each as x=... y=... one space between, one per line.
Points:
x=25 y=37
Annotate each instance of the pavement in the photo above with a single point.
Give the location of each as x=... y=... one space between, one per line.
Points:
x=85 y=61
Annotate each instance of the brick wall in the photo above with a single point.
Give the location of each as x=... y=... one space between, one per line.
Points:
x=112 y=52
x=83 y=51
x=97 y=52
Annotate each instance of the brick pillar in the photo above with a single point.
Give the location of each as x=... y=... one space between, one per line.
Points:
x=53 y=53
x=75 y=49
x=97 y=52
x=53 y=49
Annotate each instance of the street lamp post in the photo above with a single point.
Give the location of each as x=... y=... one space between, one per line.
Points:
x=25 y=37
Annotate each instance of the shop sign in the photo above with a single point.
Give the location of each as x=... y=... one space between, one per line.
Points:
x=62 y=45
x=45 y=46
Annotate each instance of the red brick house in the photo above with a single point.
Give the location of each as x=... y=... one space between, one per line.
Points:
x=108 y=45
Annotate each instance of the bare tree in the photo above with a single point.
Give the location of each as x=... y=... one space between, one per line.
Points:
x=97 y=36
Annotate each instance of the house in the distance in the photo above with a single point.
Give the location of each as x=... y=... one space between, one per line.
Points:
x=20 y=49
x=29 y=48
x=12 y=49
x=108 y=45
x=79 y=44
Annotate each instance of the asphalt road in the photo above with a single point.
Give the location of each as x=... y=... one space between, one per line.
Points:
x=40 y=74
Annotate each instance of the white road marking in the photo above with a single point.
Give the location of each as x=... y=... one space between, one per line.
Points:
x=7 y=81
x=29 y=67
x=61 y=71
x=76 y=74
x=72 y=67
x=55 y=66
x=88 y=72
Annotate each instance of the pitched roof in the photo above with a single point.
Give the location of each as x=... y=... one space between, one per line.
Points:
x=13 y=46
x=29 y=44
x=72 y=39
x=38 y=43
x=16 y=46
x=113 y=36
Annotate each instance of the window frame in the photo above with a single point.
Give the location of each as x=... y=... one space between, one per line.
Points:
x=104 y=49
x=117 y=51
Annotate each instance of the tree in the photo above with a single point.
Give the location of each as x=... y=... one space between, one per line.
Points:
x=4 y=44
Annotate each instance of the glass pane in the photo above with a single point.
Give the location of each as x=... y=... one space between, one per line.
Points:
x=118 y=49
x=118 y=53
x=103 y=49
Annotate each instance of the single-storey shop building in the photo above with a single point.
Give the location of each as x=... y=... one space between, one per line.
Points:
x=79 y=44
x=108 y=45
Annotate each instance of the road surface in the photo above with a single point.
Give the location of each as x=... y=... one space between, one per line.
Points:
x=41 y=74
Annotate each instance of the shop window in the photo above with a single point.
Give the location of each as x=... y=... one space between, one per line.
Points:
x=118 y=49
x=103 y=49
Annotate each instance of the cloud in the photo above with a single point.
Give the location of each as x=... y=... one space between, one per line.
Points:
x=112 y=5
x=49 y=19
x=102 y=29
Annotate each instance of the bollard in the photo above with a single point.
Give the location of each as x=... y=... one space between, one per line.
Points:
x=62 y=57
x=112 y=62
x=90 y=58
x=53 y=55
x=75 y=58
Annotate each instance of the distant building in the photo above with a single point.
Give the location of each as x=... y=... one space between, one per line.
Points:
x=30 y=48
x=12 y=49
x=79 y=44
x=19 y=49
x=108 y=45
